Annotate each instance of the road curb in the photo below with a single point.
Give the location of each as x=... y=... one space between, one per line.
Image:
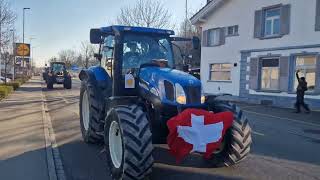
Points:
x=54 y=162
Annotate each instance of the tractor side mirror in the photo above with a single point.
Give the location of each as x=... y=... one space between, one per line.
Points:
x=97 y=56
x=196 y=43
x=95 y=36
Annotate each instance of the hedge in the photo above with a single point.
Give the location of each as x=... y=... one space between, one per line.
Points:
x=5 y=90
x=14 y=84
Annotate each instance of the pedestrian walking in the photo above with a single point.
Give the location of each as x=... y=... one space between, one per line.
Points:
x=301 y=89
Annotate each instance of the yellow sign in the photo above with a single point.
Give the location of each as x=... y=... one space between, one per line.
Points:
x=22 y=49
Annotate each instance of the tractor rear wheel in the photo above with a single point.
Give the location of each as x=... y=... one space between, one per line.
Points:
x=237 y=141
x=128 y=143
x=89 y=121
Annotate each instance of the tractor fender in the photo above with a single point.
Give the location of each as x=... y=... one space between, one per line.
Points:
x=100 y=83
x=94 y=74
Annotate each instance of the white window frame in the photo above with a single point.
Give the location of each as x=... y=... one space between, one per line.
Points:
x=261 y=70
x=234 y=32
x=216 y=37
x=220 y=70
x=272 y=19
x=303 y=69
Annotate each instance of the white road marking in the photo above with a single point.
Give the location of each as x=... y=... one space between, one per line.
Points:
x=257 y=133
x=55 y=166
x=293 y=120
x=304 y=135
x=63 y=98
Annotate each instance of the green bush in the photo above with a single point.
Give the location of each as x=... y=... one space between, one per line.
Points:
x=14 y=84
x=5 y=90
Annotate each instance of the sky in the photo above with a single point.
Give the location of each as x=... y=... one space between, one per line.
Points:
x=54 y=25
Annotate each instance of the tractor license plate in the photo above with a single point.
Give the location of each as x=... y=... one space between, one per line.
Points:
x=59 y=80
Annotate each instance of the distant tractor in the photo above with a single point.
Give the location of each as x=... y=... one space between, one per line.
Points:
x=57 y=74
x=127 y=100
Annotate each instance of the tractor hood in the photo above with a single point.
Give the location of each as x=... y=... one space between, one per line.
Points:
x=158 y=81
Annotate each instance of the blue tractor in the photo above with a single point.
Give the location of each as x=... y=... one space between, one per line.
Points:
x=126 y=101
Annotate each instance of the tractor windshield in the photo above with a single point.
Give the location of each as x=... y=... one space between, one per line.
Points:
x=140 y=49
x=57 y=67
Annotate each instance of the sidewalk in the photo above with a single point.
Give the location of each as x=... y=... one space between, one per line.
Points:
x=22 y=140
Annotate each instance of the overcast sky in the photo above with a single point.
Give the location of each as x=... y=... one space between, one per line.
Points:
x=63 y=24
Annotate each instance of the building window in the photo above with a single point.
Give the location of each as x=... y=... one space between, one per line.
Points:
x=272 y=22
x=213 y=37
x=307 y=67
x=270 y=74
x=232 y=30
x=220 y=72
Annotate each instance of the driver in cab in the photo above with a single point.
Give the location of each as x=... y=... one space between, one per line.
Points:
x=133 y=50
x=162 y=63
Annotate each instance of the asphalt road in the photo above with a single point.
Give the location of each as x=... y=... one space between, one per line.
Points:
x=284 y=147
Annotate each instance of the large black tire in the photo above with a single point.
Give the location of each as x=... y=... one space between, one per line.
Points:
x=137 y=159
x=67 y=84
x=49 y=83
x=94 y=131
x=237 y=141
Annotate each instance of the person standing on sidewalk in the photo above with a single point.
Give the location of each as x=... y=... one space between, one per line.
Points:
x=302 y=87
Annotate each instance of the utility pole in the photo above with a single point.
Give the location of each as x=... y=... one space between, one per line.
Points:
x=185 y=35
x=13 y=55
x=186 y=20
x=31 y=47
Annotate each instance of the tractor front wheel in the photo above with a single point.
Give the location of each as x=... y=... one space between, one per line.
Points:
x=67 y=84
x=49 y=81
x=89 y=121
x=237 y=141
x=128 y=143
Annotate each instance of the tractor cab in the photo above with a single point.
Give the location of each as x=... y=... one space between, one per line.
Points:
x=139 y=59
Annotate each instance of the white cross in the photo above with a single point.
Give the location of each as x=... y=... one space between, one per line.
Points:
x=199 y=134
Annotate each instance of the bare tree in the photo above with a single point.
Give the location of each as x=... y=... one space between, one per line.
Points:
x=145 y=13
x=192 y=56
x=7 y=59
x=67 y=56
x=7 y=19
x=86 y=54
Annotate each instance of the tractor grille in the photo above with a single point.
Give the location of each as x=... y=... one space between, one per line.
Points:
x=193 y=94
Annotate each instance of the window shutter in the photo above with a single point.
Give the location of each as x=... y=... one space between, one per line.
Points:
x=205 y=38
x=284 y=73
x=317 y=88
x=258 y=24
x=285 y=19
x=254 y=66
x=222 y=36
x=318 y=15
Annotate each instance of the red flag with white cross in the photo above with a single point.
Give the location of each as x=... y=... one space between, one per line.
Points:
x=197 y=130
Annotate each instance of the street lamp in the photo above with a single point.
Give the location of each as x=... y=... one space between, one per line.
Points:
x=23 y=29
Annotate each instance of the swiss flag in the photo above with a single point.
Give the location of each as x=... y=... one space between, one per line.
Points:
x=197 y=130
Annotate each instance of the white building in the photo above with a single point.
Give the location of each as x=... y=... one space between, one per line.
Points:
x=252 y=48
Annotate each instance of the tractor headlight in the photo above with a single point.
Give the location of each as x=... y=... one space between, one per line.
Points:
x=180 y=94
x=203 y=97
